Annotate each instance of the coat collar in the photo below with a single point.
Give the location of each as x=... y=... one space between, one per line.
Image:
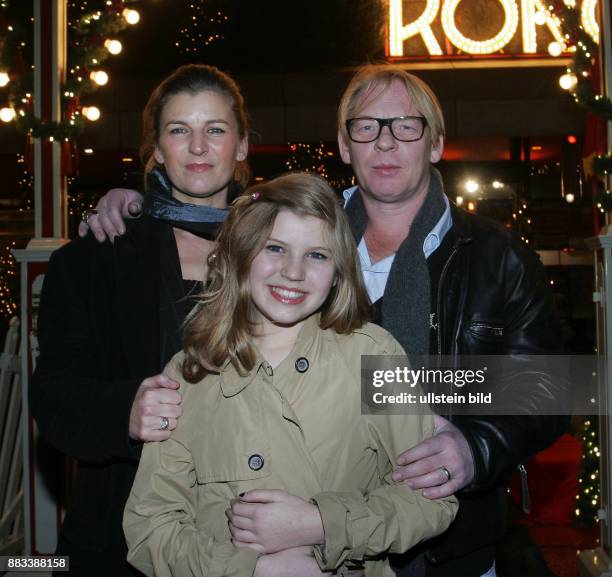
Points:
x=233 y=383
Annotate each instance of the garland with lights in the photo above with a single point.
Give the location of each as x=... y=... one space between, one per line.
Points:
x=576 y=78
x=587 y=500
x=9 y=289
x=91 y=41
x=577 y=81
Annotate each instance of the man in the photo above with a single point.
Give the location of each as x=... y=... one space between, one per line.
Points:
x=443 y=282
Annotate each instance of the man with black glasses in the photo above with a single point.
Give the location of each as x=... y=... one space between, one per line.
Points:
x=444 y=282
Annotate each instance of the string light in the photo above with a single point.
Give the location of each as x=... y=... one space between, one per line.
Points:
x=92 y=113
x=314 y=158
x=4 y=79
x=113 y=46
x=7 y=114
x=9 y=290
x=99 y=77
x=587 y=499
x=200 y=29
x=93 y=38
x=131 y=16
x=568 y=81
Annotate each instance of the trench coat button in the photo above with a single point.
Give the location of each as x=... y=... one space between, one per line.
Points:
x=256 y=462
x=302 y=365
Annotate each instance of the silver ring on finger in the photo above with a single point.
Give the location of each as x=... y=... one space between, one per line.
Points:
x=165 y=423
x=447 y=473
x=87 y=214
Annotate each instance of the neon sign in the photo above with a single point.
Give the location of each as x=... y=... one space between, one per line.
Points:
x=448 y=28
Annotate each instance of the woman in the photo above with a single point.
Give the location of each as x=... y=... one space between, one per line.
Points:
x=110 y=314
x=271 y=382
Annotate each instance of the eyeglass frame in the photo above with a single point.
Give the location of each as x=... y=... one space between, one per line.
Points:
x=382 y=122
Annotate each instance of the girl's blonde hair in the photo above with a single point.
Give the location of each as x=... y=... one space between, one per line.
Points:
x=219 y=329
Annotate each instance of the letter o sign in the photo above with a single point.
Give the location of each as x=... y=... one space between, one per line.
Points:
x=489 y=46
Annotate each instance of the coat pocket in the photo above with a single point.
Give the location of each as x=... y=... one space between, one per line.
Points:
x=484 y=337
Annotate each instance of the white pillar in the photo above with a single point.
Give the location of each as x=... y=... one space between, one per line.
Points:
x=42 y=479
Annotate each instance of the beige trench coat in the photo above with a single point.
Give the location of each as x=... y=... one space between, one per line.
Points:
x=298 y=428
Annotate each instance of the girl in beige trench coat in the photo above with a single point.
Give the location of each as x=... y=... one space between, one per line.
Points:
x=273 y=469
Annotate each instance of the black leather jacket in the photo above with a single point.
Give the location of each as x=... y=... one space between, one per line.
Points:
x=493 y=298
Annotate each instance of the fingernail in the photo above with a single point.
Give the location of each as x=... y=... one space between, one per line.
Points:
x=396 y=476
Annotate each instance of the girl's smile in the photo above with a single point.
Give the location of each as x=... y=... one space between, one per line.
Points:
x=293 y=274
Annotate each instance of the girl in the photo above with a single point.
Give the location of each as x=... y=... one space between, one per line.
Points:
x=270 y=378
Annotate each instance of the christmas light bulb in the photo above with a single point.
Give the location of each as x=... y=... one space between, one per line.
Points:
x=131 y=16
x=113 y=46
x=7 y=114
x=568 y=81
x=99 y=77
x=91 y=113
x=4 y=79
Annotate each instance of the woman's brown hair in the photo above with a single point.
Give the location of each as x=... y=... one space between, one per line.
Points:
x=219 y=329
x=193 y=79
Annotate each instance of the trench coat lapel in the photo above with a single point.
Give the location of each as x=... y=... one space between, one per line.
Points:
x=138 y=271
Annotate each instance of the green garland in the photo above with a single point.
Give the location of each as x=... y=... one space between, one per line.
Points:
x=584 y=95
x=84 y=55
x=582 y=64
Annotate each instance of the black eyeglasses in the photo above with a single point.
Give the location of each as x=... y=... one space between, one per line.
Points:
x=404 y=128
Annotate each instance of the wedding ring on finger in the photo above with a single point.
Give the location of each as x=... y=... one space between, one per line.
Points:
x=447 y=473
x=87 y=214
x=165 y=423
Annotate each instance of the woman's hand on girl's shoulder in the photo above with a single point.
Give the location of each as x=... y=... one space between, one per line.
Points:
x=155 y=410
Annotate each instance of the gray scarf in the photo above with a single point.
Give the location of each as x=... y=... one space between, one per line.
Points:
x=406 y=302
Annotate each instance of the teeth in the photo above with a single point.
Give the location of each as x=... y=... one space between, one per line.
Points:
x=288 y=294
